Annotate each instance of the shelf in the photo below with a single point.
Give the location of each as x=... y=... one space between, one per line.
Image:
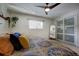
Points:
x=59 y=33
x=59 y=26
x=65 y=34
x=69 y=34
x=60 y=36
x=69 y=26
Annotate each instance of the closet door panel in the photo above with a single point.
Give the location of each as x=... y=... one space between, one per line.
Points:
x=69 y=38
x=60 y=36
x=60 y=30
x=60 y=23
x=69 y=30
x=69 y=21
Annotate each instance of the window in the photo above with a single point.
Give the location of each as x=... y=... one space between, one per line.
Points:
x=35 y=24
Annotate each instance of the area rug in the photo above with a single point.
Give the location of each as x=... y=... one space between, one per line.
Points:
x=39 y=47
x=44 y=44
x=56 y=51
x=49 y=48
x=52 y=51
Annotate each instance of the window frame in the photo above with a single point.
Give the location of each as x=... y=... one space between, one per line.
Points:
x=36 y=26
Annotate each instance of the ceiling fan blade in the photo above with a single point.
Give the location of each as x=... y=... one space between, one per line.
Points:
x=53 y=6
x=46 y=13
x=47 y=3
x=41 y=6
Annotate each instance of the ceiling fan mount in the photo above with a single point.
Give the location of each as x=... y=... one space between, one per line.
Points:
x=48 y=8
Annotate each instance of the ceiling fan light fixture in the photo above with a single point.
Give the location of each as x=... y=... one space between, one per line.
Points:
x=47 y=9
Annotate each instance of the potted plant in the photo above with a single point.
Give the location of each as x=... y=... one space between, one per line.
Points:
x=12 y=21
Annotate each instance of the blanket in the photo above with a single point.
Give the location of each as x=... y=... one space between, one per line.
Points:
x=6 y=48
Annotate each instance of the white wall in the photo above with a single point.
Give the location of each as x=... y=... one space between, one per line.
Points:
x=3 y=24
x=22 y=26
x=78 y=28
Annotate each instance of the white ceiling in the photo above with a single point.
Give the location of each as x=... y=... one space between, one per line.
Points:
x=30 y=8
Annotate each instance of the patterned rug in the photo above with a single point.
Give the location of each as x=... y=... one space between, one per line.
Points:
x=39 y=47
x=50 y=52
x=48 y=48
x=44 y=44
x=55 y=51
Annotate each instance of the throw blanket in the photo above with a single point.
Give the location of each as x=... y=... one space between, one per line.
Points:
x=6 y=48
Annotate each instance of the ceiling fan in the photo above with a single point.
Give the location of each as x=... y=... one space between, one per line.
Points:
x=48 y=8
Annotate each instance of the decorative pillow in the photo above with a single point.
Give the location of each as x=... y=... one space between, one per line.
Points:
x=17 y=34
x=24 y=41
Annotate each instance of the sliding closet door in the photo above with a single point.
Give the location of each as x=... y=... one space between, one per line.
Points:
x=60 y=30
x=66 y=29
x=69 y=29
